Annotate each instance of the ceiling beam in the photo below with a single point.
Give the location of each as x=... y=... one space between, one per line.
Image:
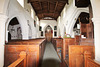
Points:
x=48 y=6
x=47 y=0
x=47 y=12
x=41 y=8
x=55 y=8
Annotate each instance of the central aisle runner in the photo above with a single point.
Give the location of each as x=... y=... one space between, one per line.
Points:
x=50 y=58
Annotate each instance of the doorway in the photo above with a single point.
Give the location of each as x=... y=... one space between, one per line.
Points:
x=48 y=33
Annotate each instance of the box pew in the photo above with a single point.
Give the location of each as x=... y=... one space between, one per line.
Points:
x=34 y=50
x=89 y=61
x=58 y=46
x=26 y=42
x=76 y=55
x=66 y=43
x=21 y=61
x=77 y=39
x=62 y=45
x=54 y=43
x=87 y=41
x=58 y=42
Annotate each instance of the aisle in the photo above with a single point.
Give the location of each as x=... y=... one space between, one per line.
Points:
x=50 y=58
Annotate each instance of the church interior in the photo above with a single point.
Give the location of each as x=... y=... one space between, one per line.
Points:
x=49 y=33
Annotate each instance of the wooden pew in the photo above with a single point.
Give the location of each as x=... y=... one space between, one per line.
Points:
x=66 y=43
x=87 y=41
x=58 y=42
x=21 y=62
x=89 y=61
x=33 y=48
x=54 y=43
x=77 y=39
x=76 y=54
x=26 y=42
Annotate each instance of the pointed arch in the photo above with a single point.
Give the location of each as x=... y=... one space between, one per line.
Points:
x=50 y=26
x=23 y=24
x=73 y=21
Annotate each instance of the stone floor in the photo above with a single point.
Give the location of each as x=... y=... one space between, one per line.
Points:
x=50 y=58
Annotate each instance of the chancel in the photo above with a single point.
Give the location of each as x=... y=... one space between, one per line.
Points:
x=49 y=33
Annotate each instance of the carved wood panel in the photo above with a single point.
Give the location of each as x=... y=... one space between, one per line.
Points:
x=76 y=55
x=33 y=52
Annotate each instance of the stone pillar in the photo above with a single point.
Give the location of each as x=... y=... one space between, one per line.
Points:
x=3 y=19
x=97 y=37
x=96 y=20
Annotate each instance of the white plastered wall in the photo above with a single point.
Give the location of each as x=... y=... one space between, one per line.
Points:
x=3 y=6
x=27 y=6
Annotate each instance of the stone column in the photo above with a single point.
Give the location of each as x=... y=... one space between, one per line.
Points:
x=96 y=20
x=3 y=19
x=97 y=37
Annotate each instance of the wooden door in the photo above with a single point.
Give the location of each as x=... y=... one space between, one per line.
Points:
x=48 y=33
x=48 y=36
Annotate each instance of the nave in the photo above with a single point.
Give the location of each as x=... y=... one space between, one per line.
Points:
x=50 y=58
x=72 y=27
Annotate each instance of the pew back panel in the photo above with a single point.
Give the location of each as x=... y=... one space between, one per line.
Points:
x=21 y=61
x=34 y=52
x=77 y=39
x=31 y=50
x=87 y=42
x=66 y=43
x=91 y=63
x=76 y=55
x=58 y=42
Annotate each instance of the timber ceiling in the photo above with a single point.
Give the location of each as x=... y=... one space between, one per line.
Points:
x=48 y=8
